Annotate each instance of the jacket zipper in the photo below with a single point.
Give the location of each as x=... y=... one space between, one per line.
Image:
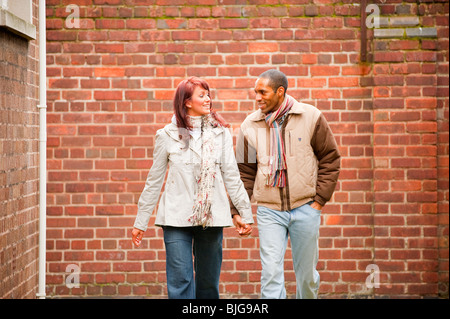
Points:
x=284 y=192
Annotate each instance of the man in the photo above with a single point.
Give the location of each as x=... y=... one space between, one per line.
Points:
x=289 y=162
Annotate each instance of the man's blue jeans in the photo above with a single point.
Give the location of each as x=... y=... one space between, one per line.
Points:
x=302 y=225
x=206 y=245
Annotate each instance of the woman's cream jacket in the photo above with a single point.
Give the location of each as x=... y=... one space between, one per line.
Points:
x=180 y=191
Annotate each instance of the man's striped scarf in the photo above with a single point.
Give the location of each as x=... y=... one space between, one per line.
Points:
x=277 y=177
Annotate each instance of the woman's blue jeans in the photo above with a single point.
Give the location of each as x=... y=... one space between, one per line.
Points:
x=182 y=243
x=302 y=226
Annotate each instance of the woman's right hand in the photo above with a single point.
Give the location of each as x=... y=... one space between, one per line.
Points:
x=137 y=236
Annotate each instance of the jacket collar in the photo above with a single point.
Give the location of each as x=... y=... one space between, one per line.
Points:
x=297 y=108
x=172 y=130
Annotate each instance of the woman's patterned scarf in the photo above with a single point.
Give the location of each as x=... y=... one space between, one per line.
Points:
x=201 y=214
x=277 y=177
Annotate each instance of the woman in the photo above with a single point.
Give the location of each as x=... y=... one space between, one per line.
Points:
x=194 y=206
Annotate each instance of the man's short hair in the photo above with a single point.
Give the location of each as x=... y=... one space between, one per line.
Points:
x=276 y=79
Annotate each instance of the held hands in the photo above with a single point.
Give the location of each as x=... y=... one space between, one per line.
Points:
x=242 y=228
x=137 y=235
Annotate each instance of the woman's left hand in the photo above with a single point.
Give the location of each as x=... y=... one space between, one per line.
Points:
x=242 y=228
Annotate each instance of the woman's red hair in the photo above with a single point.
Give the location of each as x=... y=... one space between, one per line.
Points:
x=183 y=93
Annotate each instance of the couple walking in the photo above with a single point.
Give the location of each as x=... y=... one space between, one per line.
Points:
x=286 y=159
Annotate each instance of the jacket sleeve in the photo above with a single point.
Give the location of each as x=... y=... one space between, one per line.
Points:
x=155 y=179
x=238 y=197
x=327 y=153
x=247 y=164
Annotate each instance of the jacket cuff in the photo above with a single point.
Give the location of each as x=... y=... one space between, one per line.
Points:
x=320 y=200
x=234 y=211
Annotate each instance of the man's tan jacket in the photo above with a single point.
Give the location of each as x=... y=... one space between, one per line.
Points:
x=312 y=158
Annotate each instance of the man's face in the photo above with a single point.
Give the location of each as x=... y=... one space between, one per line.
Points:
x=266 y=99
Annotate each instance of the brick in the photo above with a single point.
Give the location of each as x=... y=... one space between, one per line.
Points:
x=329 y=94
x=219 y=35
x=421 y=103
x=140 y=24
x=389 y=103
x=294 y=47
x=77 y=48
x=233 y=23
x=342 y=35
x=278 y=35
x=324 y=70
x=108 y=95
x=356 y=93
x=231 y=94
x=326 y=47
x=62 y=176
x=186 y=35
x=110 y=47
x=79 y=233
x=263 y=47
x=404 y=45
x=389 y=57
x=422 y=127
x=233 y=71
x=118 y=36
x=388 y=80
x=231 y=47
x=421 y=80
x=111 y=164
x=61 y=130
x=61 y=35
x=308 y=58
x=264 y=23
x=109 y=72
x=109 y=24
x=311 y=10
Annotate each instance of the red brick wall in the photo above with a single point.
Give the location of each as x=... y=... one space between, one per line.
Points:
x=19 y=164
x=111 y=82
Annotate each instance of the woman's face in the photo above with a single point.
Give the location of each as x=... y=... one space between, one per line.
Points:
x=199 y=103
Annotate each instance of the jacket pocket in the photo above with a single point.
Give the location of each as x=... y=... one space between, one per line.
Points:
x=264 y=167
x=290 y=142
x=182 y=157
